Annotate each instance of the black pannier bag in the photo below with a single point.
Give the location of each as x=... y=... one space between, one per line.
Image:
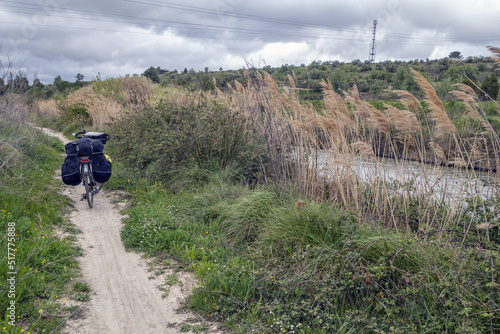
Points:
x=81 y=147
x=70 y=172
x=101 y=166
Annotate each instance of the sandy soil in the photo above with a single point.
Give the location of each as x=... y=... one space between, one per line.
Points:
x=125 y=291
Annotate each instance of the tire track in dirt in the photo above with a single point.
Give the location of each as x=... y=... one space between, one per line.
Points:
x=123 y=298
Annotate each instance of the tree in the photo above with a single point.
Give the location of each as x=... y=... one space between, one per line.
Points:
x=19 y=84
x=57 y=80
x=79 y=77
x=491 y=86
x=403 y=79
x=455 y=55
x=152 y=73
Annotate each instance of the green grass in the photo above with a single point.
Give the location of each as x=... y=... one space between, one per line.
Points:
x=278 y=263
x=31 y=212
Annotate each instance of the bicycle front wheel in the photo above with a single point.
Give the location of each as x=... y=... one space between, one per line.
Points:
x=89 y=193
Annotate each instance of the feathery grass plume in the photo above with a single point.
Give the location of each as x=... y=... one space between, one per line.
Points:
x=239 y=87
x=294 y=88
x=259 y=77
x=467 y=89
x=438 y=151
x=245 y=73
x=496 y=51
x=272 y=86
x=412 y=120
x=302 y=128
x=398 y=118
x=409 y=100
x=330 y=125
x=313 y=120
x=231 y=88
x=218 y=92
x=363 y=148
x=378 y=120
x=47 y=109
x=333 y=132
x=467 y=95
x=353 y=94
x=442 y=121
x=335 y=104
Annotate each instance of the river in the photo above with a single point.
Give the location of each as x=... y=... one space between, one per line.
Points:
x=448 y=184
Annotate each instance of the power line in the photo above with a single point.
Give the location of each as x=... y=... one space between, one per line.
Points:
x=260 y=33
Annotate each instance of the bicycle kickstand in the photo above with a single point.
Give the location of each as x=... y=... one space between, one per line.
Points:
x=84 y=197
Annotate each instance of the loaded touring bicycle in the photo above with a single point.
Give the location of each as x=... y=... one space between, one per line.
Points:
x=86 y=162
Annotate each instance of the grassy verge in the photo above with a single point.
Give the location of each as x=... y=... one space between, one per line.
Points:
x=36 y=264
x=275 y=263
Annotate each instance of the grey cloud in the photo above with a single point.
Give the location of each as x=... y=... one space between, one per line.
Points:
x=117 y=37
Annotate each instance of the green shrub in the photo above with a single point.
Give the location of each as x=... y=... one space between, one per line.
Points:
x=248 y=216
x=165 y=140
x=296 y=225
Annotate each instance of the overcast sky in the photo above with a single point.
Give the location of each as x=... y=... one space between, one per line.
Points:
x=46 y=38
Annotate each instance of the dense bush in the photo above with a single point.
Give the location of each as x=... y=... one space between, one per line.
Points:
x=167 y=141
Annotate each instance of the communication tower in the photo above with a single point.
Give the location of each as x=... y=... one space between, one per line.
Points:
x=372 y=47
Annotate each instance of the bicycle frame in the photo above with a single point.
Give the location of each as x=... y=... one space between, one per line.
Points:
x=91 y=187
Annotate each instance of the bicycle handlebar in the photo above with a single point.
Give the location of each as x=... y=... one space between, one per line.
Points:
x=79 y=133
x=102 y=136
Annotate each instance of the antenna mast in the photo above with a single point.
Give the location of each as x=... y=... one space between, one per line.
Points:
x=372 y=47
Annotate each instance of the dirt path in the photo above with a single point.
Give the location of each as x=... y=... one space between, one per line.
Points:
x=125 y=295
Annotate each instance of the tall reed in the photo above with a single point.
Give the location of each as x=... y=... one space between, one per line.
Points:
x=338 y=152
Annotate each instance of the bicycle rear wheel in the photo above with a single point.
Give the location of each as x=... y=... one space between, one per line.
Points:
x=89 y=193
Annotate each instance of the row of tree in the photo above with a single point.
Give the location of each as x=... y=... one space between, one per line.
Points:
x=374 y=80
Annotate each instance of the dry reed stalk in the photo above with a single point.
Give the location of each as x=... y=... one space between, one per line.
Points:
x=438 y=151
x=135 y=90
x=442 y=121
x=47 y=109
